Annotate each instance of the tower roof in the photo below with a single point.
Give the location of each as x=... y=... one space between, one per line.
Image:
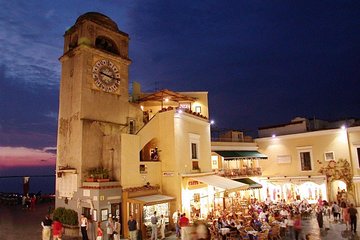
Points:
x=100 y=19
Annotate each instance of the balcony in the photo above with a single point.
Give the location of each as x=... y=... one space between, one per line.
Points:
x=240 y=172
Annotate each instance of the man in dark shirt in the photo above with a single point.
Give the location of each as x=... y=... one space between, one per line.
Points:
x=154 y=221
x=132 y=228
x=353 y=217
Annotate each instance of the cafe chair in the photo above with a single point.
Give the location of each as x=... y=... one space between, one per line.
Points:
x=233 y=235
x=274 y=232
x=264 y=235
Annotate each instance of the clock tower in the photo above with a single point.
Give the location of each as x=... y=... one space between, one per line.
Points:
x=94 y=111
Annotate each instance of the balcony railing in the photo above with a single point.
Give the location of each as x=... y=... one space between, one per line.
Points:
x=240 y=172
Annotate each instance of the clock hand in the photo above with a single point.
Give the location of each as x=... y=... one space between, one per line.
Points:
x=106 y=75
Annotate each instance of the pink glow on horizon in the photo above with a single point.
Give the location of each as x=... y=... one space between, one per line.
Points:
x=22 y=156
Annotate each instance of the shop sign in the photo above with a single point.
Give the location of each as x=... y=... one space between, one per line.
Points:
x=193 y=183
x=168 y=174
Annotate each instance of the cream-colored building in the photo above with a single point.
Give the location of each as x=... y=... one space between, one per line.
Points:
x=305 y=164
x=149 y=151
x=304 y=159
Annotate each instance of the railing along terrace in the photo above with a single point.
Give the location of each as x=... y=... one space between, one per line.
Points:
x=240 y=172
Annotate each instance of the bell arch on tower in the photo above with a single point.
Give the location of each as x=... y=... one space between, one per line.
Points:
x=106 y=44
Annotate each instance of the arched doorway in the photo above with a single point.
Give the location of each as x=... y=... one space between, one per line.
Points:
x=338 y=190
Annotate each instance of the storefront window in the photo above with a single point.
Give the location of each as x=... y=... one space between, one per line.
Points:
x=161 y=209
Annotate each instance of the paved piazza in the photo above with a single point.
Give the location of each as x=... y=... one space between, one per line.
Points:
x=16 y=224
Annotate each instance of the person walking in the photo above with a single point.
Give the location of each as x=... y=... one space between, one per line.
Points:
x=346 y=216
x=132 y=226
x=326 y=216
x=99 y=232
x=117 y=228
x=154 y=221
x=297 y=226
x=353 y=217
x=162 y=226
x=335 y=211
x=84 y=227
x=184 y=223
x=319 y=217
x=57 y=229
x=176 y=217
x=110 y=229
x=46 y=231
x=290 y=225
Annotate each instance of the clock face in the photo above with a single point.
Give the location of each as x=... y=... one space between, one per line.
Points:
x=106 y=75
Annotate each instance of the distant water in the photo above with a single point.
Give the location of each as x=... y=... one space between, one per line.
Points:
x=11 y=180
x=15 y=185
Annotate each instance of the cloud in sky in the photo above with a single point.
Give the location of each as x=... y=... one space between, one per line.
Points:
x=28 y=50
x=11 y=157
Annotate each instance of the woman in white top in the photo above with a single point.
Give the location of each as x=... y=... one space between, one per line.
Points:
x=162 y=226
x=117 y=228
x=110 y=228
x=84 y=227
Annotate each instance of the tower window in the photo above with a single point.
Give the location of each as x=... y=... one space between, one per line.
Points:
x=106 y=44
x=132 y=126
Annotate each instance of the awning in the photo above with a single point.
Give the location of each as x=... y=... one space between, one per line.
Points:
x=152 y=199
x=252 y=184
x=221 y=182
x=232 y=155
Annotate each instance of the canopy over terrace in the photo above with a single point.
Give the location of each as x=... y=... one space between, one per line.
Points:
x=222 y=183
x=152 y=199
x=237 y=163
x=243 y=155
x=252 y=184
x=164 y=94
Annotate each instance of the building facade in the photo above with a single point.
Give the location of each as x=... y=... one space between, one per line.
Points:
x=122 y=154
x=308 y=163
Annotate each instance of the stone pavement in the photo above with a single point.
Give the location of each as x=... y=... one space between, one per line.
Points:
x=18 y=224
x=337 y=230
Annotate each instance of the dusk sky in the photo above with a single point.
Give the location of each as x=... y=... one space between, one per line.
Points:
x=262 y=62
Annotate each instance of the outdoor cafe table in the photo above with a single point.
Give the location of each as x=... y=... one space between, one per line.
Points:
x=224 y=231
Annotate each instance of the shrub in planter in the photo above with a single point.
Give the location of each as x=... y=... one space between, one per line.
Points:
x=66 y=216
x=69 y=219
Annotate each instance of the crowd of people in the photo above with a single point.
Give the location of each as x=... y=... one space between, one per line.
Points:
x=260 y=220
x=112 y=231
x=336 y=213
x=268 y=220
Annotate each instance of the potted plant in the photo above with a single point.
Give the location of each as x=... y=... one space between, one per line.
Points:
x=69 y=220
x=99 y=174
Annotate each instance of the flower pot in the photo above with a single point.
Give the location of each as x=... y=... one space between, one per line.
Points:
x=103 y=180
x=90 y=179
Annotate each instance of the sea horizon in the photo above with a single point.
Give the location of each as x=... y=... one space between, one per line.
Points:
x=42 y=179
